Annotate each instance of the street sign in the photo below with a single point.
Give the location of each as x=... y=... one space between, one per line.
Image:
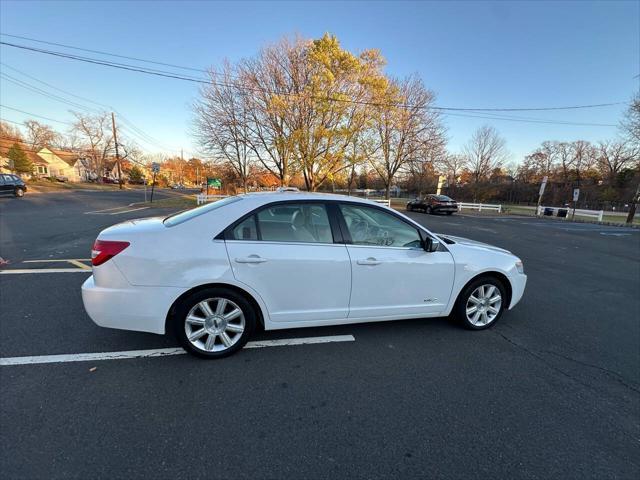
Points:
x=543 y=185
x=155 y=167
x=576 y=194
x=214 y=182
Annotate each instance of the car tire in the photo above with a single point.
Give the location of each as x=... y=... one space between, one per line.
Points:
x=429 y=211
x=208 y=325
x=409 y=208
x=19 y=193
x=481 y=303
x=449 y=213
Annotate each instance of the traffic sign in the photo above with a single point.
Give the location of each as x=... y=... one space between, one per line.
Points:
x=576 y=194
x=214 y=182
x=155 y=167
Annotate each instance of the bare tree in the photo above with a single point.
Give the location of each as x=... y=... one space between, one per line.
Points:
x=451 y=166
x=631 y=122
x=485 y=152
x=40 y=135
x=615 y=156
x=222 y=122
x=95 y=138
x=404 y=128
x=10 y=132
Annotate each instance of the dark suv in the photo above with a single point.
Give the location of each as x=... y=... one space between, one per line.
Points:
x=433 y=204
x=12 y=185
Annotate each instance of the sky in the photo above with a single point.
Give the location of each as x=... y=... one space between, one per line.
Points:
x=471 y=54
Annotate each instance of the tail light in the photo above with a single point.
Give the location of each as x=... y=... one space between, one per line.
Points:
x=104 y=250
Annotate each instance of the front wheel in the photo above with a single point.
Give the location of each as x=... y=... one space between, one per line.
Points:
x=429 y=211
x=214 y=323
x=481 y=303
x=19 y=192
x=409 y=208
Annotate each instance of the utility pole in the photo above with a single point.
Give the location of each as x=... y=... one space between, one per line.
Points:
x=634 y=201
x=115 y=140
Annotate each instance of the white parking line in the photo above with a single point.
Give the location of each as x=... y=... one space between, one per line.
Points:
x=44 y=270
x=129 y=211
x=162 y=352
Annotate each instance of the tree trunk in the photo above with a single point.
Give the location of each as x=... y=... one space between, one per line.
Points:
x=388 y=191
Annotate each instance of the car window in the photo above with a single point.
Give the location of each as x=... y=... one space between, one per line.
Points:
x=186 y=215
x=300 y=222
x=372 y=226
x=7 y=178
x=246 y=230
x=1 y=179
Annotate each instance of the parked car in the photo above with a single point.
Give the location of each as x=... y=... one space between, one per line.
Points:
x=212 y=274
x=433 y=204
x=177 y=186
x=12 y=185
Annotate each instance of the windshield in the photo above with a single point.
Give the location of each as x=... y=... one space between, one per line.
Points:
x=186 y=215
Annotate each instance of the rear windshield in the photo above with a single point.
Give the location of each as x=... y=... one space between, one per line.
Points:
x=186 y=215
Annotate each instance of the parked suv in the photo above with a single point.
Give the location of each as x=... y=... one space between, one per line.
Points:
x=433 y=204
x=12 y=185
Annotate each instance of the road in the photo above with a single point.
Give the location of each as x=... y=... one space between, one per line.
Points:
x=552 y=391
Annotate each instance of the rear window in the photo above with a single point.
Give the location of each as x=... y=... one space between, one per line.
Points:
x=187 y=215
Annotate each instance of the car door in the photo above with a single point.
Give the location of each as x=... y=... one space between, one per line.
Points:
x=392 y=275
x=287 y=254
x=5 y=189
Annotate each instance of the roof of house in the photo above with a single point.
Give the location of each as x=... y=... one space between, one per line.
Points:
x=7 y=143
x=68 y=157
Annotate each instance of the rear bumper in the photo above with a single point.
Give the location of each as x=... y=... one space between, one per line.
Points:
x=445 y=208
x=518 y=283
x=143 y=309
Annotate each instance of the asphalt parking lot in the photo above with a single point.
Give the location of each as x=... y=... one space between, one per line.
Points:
x=552 y=391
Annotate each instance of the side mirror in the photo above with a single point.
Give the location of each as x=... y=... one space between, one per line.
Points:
x=431 y=244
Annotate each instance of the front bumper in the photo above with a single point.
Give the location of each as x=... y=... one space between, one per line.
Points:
x=518 y=283
x=143 y=309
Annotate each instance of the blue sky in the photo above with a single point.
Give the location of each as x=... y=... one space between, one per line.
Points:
x=472 y=54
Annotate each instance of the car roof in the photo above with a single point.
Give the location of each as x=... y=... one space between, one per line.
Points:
x=266 y=197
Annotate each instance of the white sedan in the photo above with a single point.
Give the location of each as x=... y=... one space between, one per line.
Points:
x=287 y=260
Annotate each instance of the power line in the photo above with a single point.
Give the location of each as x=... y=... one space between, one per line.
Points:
x=176 y=76
x=141 y=135
x=35 y=115
x=100 y=52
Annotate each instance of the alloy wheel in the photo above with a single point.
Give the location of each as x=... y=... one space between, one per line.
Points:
x=214 y=324
x=483 y=305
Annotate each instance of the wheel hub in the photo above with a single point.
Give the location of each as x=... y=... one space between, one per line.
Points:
x=215 y=324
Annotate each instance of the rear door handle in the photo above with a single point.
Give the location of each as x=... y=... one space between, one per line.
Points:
x=369 y=261
x=251 y=259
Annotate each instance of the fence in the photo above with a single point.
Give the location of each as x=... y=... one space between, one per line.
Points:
x=382 y=201
x=568 y=212
x=480 y=207
x=204 y=198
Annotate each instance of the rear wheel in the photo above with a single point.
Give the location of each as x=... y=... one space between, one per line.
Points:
x=429 y=210
x=19 y=192
x=481 y=303
x=409 y=208
x=214 y=323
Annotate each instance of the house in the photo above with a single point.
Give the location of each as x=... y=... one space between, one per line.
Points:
x=63 y=163
x=40 y=165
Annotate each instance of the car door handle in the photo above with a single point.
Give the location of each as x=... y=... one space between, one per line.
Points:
x=251 y=259
x=369 y=261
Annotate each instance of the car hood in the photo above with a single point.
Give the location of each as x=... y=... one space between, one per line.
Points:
x=472 y=243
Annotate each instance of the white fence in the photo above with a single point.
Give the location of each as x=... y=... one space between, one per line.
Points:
x=598 y=214
x=204 y=198
x=383 y=201
x=480 y=207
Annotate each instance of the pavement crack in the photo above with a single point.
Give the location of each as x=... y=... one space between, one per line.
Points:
x=615 y=375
